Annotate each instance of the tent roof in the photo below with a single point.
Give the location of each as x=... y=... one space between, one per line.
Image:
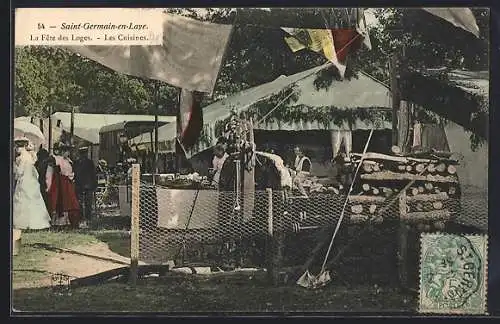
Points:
x=361 y=92
x=474 y=82
x=458 y=95
x=87 y=126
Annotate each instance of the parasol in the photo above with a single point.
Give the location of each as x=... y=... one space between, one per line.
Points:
x=23 y=128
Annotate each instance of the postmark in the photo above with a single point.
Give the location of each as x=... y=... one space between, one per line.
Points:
x=453 y=273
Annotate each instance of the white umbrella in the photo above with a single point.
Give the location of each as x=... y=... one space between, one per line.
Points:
x=23 y=128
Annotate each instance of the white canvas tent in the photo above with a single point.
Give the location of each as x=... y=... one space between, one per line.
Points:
x=87 y=126
x=361 y=92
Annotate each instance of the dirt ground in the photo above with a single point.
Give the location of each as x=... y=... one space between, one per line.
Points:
x=93 y=259
x=76 y=262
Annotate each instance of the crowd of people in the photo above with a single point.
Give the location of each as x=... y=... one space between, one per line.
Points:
x=52 y=190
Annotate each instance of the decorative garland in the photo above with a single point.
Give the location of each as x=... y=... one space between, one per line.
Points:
x=448 y=97
x=325 y=115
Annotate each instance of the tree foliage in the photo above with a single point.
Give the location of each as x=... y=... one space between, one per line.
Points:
x=257 y=53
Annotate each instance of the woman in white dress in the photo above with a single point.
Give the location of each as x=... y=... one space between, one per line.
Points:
x=29 y=210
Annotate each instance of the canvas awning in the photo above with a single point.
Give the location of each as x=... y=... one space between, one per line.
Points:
x=358 y=93
x=241 y=101
x=87 y=126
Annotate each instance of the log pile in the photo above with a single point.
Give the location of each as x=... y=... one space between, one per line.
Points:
x=433 y=178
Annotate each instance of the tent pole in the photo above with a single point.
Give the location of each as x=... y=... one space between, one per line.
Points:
x=50 y=130
x=395 y=98
x=178 y=149
x=157 y=91
x=72 y=126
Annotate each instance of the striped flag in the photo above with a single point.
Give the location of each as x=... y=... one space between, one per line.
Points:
x=317 y=40
x=334 y=44
x=191 y=117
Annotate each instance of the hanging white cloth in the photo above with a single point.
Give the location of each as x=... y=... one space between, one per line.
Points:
x=338 y=137
x=218 y=163
x=417 y=134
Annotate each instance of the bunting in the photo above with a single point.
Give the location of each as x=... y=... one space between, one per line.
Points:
x=190 y=57
x=334 y=44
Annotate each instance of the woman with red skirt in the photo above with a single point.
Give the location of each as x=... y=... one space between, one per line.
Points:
x=62 y=200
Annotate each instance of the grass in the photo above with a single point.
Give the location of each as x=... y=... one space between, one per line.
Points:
x=179 y=293
x=185 y=293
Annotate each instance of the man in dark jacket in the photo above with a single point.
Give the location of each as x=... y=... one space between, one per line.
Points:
x=86 y=183
x=41 y=165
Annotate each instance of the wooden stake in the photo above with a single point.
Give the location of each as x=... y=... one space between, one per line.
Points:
x=403 y=241
x=273 y=271
x=134 y=229
x=269 y=212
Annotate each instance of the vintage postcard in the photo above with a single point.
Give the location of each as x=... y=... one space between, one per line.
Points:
x=250 y=160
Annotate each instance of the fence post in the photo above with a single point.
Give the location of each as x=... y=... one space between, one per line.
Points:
x=134 y=228
x=403 y=241
x=269 y=212
x=270 y=241
x=274 y=242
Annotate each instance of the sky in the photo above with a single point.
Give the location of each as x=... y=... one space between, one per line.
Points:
x=371 y=20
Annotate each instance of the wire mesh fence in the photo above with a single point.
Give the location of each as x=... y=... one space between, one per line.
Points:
x=227 y=229
x=377 y=241
x=111 y=207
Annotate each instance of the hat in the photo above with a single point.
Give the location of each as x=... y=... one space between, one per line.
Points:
x=65 y=146
x=83 y=149
x=21 y=139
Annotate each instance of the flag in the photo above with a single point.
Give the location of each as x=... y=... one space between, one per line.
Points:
x=459 y=17
x=317 y=40
x=191 y=117
x=190 y=57
x=334 y=44
x=361 y=28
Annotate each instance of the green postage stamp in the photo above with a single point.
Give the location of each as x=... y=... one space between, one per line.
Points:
x=453 y=273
